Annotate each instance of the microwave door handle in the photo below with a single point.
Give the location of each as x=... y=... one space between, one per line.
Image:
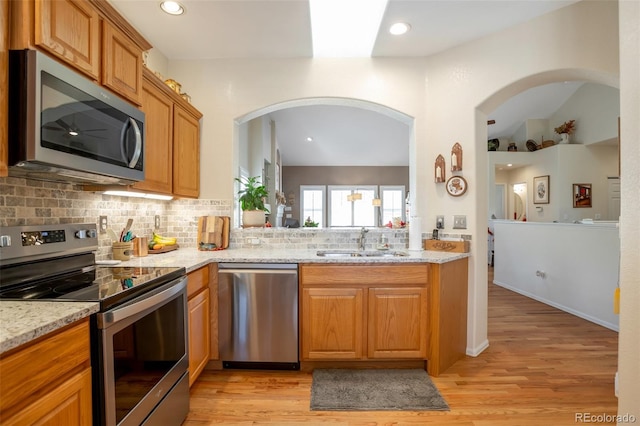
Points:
x=123 y=143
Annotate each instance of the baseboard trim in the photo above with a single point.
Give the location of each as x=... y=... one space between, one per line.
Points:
x=474 y=352
x=571 y=311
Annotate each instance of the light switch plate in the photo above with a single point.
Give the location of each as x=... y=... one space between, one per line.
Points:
x=459 y=222
x=156 y=221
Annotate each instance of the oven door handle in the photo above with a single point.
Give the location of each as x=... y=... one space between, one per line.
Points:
x=147 y=303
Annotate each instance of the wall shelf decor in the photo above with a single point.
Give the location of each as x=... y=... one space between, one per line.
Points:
x=456 y=186
x=456 y=158
x=439 y=172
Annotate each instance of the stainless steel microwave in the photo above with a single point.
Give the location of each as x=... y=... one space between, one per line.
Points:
x=63 y=127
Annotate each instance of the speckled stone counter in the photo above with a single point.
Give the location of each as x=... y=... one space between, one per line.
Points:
x=192 y=258
x=21 y=322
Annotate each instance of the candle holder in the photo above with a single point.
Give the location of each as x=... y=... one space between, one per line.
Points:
x=456 y=158
x=439 y=173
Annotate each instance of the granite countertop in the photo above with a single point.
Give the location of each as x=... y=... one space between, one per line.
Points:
x=24 y=321
x=192 y=258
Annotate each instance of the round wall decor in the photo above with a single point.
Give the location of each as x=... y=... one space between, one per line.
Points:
x=456 y=186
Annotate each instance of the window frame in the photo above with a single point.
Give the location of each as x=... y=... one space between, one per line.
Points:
x=353 y=188
x=322 y=188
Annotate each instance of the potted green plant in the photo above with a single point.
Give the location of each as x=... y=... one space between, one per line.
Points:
x=252 y=197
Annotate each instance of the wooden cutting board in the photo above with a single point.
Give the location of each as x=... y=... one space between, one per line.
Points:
x=213 y=232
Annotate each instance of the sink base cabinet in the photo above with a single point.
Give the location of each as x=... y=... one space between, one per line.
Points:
x=332 y=323
x=359 y=312
x=397 y=323
x=395 y=315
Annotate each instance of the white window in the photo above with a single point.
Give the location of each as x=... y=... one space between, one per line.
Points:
x=312 y=204
x=393 y=203
x=352 y=205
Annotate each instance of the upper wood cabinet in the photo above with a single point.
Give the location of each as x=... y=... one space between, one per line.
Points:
x=158 y=109
x=89 y=35
x=186 y=153
x=121 y=64
x=71 y=31
x=172 y=150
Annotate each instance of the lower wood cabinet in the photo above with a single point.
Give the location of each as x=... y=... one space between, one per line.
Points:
x=332 y=323
x=397 y=323
x=384 y=312
x=49 y=381
x=198 y=294
x=358 y=312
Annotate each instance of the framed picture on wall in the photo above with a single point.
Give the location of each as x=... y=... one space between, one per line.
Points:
x=581 y=195
x=541 y=190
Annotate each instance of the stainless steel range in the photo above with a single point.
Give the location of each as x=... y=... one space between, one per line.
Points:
x=139 y=336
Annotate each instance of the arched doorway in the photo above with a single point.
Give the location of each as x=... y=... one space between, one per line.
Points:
x=383 y=112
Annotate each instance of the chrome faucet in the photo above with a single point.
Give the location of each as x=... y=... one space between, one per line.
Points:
x=363 y=232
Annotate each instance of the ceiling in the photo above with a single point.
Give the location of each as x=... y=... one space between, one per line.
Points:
x=281 y=29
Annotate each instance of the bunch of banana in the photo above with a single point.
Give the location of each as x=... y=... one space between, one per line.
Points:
x=158 y=241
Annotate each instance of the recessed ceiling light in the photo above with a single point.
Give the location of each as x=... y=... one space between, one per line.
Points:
x=509 y=165
x=172 y=7
x=399 y=28
x=309 y=139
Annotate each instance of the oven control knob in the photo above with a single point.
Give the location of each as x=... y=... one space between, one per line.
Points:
x=86 y=233
x=5 y=240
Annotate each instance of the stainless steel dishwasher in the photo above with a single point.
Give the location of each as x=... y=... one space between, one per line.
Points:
x=258 y=315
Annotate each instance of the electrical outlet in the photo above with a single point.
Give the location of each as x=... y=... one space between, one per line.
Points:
x=104 y=224
x=156 y=221
x=459 y=222
x=439 y=222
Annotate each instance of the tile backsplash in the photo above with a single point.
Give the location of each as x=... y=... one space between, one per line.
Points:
x=32 y=202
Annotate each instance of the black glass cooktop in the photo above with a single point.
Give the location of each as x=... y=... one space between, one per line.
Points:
x=108 y=285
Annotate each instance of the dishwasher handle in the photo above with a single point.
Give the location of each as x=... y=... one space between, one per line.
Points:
x=258 y=271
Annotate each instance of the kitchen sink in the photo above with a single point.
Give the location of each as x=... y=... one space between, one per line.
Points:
x=359 y=253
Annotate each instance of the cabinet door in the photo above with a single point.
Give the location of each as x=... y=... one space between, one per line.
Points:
x=332 y=321
x=186 y=154
x=67 y=404
x=397 y=323
x=158 y=109
x=199 y=334
x=121 y=64
x=70 y=30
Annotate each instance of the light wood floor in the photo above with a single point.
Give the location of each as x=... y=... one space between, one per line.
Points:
x=543 y=366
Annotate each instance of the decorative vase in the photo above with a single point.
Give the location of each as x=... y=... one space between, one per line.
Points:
x=564 y=137
x=252 y=218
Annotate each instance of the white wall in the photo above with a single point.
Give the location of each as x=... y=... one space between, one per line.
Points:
x=595 y=108
x=577 y=266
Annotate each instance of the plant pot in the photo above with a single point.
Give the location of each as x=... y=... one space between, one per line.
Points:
x=253 y=218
